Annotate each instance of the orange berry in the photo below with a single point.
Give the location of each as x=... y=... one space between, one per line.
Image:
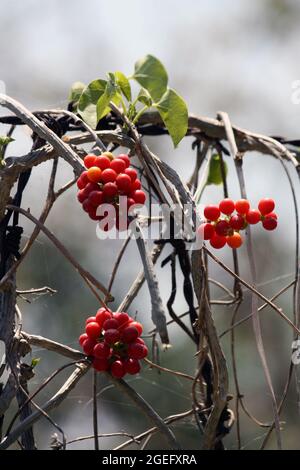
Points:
x=235 y=240
x=94 y=174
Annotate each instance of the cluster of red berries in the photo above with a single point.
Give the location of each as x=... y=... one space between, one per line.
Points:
x=113 y=342
x=223 y=225
x=105 y=179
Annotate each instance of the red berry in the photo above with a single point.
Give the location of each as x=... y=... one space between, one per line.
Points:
x=138 y=326
x=110 y=190
x=242 y=206
x=87 y=206
x=125 y=158
x=272 y=215
x=88 y=346
x=89 y=160
x=117 y=369
x=237 y=222
x=82 y=338
x=90 y=319
x=96 y=198
x=217 y=241
x=266 y=206
x=123 y=182
x=93 y=330
x=122 y=318
x=140 y=341
x=111 y=336
x=222 y=227
x=100 y=364
x=235 y=240
x=118 y=165
x=253 y=216
x=211 y=212
x=110 y=324
x=101 y=350
x=81 y=195
x=93 y=214
x=136 y=185
x=269 y=223
x=102 y=162
x=130 y=202
x=90 y=187
x=227 y=206
x=129 y=334
x=82 y=180
x=94 y=174
x=108 y=176
x=139 y=196
x=102 y=315
x=132 y=366
x=132 y=173
x=137 y=350
x=206 y=231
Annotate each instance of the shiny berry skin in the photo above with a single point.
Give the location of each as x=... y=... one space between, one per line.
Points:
x=272 y=215
x=122 y=318
x=217 y=241
x=125 y=158
x=82 y=338
x=102 y=315
x=237 y=222
x=118 y=165
x=102 y=162
x=227 y=206
x=124 y=182
x=81 y=195
x=100 y=364
x=110 y=190
x=88 y=346
x=90 y=319
x=242 y=206
x=129 y=334
x=139 y=196
x=117 y=369
x=269 y=223
x=206 y=231
x=266 y=206
x=108 y=176
x=211 y=212
x=90 y=187
x=137 y=350
x=110 y=324
x=111 y=336
x=101 y=350
x=109 y=155
x=138 y=326
x=96 y=198
x=93 y=330
x=132 y=173
x=132 y=366
x=235 y=240
x=136 y=185
x=94 y=174
x=253 y=216
x=89 y=161
x=82 y=180
x=130 y=202
x=222 y=227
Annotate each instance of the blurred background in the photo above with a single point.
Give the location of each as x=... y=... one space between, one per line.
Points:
x=239 y=57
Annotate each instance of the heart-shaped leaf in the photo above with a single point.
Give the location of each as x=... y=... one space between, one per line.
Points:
x=87 y=105
x=150 y=73
x=174 y=113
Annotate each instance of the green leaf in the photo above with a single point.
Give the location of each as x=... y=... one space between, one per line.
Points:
x=151 y=74
x=35 y=362
x=144 y=97
x=123 y=82
x=110 y=94
x=87 y=105
x=5 y=140
x=174 y=113
x=75 y=92
x=215 y=171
